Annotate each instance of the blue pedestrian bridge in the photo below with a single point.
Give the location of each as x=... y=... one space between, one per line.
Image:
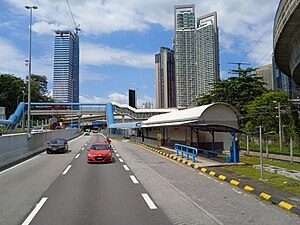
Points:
x=107 y=110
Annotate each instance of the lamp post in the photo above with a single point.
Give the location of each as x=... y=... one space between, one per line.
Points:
x=72 y=102
x=29 y=65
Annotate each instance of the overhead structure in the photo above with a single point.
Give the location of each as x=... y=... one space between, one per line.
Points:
x=75 y=24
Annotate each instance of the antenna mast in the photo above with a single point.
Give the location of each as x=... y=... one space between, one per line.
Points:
x=239 y=70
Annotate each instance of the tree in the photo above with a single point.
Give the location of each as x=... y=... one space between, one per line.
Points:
x=39 y=91
x=11 y=89
x=263 y=111
x=237 y=91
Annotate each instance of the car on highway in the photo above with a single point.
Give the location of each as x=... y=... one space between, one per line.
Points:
x=37 y=129
x=58 y=145
x=99 y=152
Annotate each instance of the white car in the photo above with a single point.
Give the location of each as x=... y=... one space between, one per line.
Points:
x=37 y=130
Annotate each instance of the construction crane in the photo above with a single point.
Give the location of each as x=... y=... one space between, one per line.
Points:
x=76 y=26
x=239 y=70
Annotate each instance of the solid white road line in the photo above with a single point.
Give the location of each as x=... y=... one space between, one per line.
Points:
x=35 y=211
x=121 y=160
x=18 y=165
x=134 y=180
x=117 y=155
x=76 y=157
x=149 y=202
x=67 y=169
x=126 y=167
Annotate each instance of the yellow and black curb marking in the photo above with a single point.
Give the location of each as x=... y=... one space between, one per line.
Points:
x=237 y=183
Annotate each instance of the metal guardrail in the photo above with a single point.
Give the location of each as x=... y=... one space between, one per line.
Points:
x=184 y=149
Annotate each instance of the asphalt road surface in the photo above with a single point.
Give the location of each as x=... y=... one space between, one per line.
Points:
x=139 y=187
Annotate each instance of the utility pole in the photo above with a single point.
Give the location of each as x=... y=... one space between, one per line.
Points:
x=260 y=152
x=279 y=128
x=239 y=70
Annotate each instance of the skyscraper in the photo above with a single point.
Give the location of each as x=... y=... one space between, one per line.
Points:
x=207 y=53
x=165 y=78
x=66 y=67
x=196 y=53
x=184 y=46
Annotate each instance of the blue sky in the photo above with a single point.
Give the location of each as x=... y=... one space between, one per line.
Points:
x=119 y=38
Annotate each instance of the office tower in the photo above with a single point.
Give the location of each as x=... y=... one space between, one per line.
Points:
x=132 y=98
x=165 y=78
x=267 y=73
x=196 y=54
x=284 y=83
x=66 y=67
x=147 y=105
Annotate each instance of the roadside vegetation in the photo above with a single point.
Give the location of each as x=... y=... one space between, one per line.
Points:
x=272 y=179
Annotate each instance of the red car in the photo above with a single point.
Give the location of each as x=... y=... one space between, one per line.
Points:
x=99 y=152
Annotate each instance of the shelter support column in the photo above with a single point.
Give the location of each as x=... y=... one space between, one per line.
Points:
x=234 y=150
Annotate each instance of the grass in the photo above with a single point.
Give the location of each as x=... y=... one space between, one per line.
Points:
x=273 y=148
x=272 y=179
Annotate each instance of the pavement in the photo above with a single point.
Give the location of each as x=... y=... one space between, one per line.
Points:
x=217 y=169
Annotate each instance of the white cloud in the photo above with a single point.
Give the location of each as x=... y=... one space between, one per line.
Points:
x=11 y=58
x=96 y=54
x=244 y=21
x=115 y=97
x=118 y=97
x=44 y=27
x=111 y=97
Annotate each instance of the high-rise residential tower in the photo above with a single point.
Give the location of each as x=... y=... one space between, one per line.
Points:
x=184 y=46
x=66 y=67
x=165 y=78
x=196 y=54
x=207 y=53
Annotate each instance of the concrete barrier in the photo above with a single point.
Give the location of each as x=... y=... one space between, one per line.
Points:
x=15 y=147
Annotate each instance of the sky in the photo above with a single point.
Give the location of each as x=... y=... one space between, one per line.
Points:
x=118 y=40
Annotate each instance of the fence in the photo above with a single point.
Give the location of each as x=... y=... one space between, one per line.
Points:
x=271 y=144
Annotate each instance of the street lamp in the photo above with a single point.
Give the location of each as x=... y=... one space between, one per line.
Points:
x=29 y=65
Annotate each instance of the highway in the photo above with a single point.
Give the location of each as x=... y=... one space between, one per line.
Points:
x=139 y=187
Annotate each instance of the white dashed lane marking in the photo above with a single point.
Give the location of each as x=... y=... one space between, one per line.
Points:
x=35 y=211
x=134 y=180
x=67 y=169
x=121 y=160
x=117 y=155
x=126 y=167
x=76 y=157
x=149 y=202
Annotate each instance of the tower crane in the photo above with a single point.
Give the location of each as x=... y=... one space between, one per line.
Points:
x=76 y=26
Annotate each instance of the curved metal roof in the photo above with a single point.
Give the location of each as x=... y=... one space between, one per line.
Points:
x=193 y=115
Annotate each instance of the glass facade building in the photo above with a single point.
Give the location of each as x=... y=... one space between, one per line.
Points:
x=66 y=67
x=196 y=54
x=165 y=78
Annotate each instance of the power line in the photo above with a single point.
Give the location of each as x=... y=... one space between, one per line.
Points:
x=256 y=42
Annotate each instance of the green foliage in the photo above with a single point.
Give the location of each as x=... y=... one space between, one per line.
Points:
x=248 y=94
x=13 y=89
x=39 y=91
x=237 y=91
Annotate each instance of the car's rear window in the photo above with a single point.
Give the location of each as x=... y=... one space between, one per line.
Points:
x=57 y=141
x=99 y=147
